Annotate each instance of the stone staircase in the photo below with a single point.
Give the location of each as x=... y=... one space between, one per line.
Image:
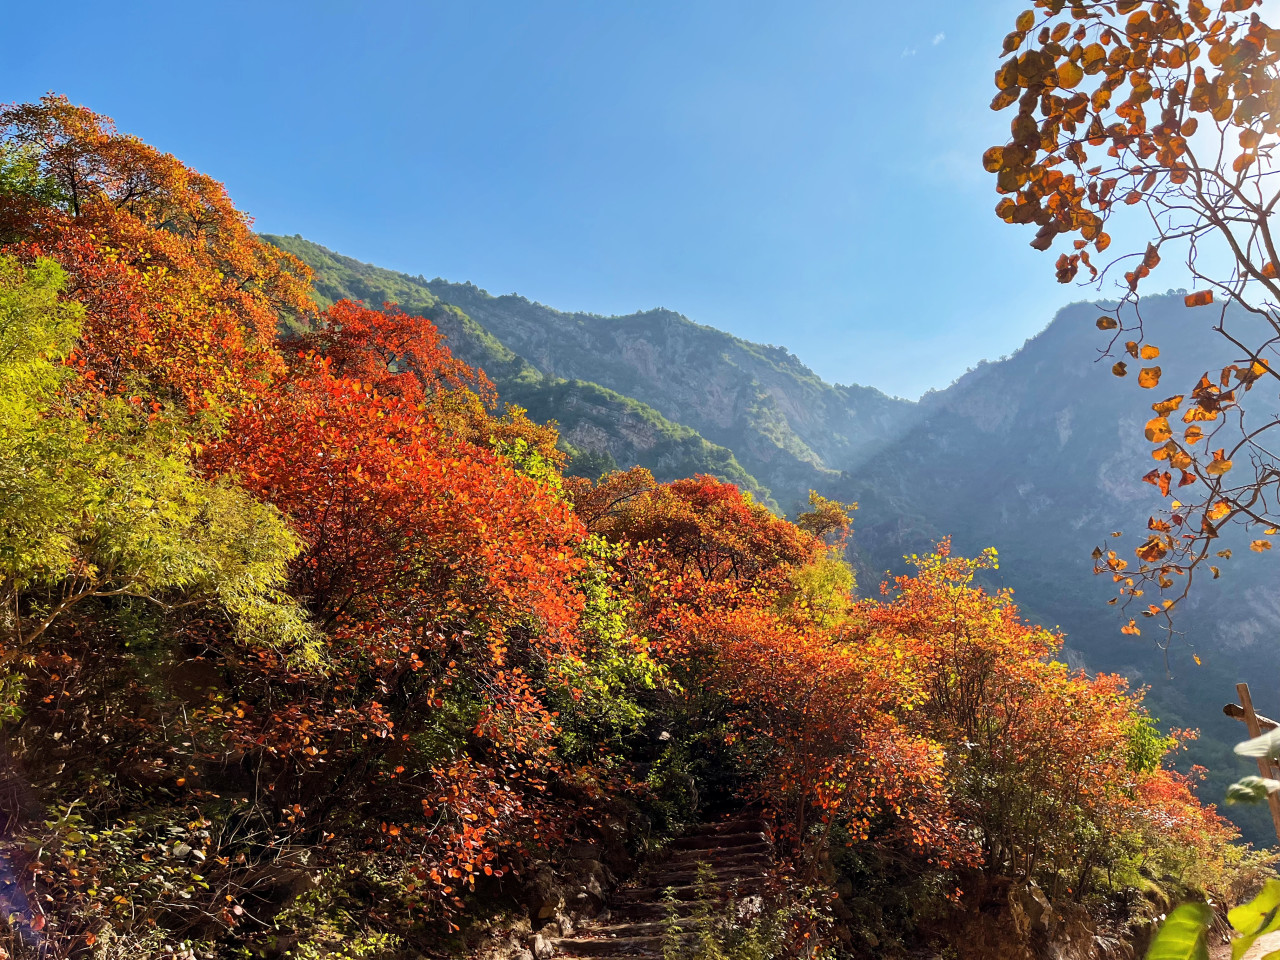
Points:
x=732 y=856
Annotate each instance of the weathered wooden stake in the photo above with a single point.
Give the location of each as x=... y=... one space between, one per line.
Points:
x=1264 y=763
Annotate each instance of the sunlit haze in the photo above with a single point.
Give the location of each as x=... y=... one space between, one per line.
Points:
x=806 y=175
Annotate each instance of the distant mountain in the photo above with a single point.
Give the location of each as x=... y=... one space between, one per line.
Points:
x=788 y=427
x=1039 y=455
x=601 y=428
x=785 y=426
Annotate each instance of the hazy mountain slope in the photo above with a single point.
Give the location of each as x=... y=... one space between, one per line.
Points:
x=786 y=425
x=600 y=427
x=1041 y=455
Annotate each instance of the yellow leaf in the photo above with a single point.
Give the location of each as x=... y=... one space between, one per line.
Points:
x=1149 y=352
x=1148 y=377
x=1219 y=466
x=1069 y=75
x=1257 y=546
x=1157 y=430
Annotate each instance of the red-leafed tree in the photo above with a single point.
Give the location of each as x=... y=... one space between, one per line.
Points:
x=814 y=722
x=443 y=578
x=182 y=300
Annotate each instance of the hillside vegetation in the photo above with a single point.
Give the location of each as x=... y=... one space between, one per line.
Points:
x=1034 y=454
x=310 y=647
x=599 y=427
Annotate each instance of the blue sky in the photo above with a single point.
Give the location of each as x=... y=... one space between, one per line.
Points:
x=805 y=174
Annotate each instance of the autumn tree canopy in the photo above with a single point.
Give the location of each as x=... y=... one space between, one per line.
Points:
x=289 y=601
x=1165 y=115
x=182 y=299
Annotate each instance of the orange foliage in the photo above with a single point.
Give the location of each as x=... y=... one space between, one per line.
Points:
x=1046 y=766
x=816 y=720
x=182 y=299
x=456 y=587
x=819 y=721
x=437 y=571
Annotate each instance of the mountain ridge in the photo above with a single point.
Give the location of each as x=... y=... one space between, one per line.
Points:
x=788 y=429
x=1039 y=453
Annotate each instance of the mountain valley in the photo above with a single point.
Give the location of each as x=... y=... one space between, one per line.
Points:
x=1023 y=454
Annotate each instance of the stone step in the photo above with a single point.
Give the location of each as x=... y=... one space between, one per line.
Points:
x=738 y=825
x=665 y=909
x=719 y=841
x=638 y=928
x=680 y=876
x=716 y=863
x=738 y=852
x=612 y=946
x=719 y=854
x=684 y=892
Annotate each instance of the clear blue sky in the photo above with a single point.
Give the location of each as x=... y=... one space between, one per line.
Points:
x=805 y=174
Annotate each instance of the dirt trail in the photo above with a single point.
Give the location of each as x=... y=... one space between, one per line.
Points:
x=1264 y=945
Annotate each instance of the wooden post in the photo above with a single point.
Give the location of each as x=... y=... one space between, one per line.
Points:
x=1236 y=712
x=1264 y=763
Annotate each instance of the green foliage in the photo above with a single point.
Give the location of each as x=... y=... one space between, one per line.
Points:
x=529 y=461
x=1184 y=933
x=1147 y=745
x=332 y=922
x=13 y=688
x=599 y=696
x=825 y=587
x=21 y=173
x=1251 y=920
x=1251 y=789
x=735 y=927
x=106 y=502
x=1182 y=937
x=635 y=430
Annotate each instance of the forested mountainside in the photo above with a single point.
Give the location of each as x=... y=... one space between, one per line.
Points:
x=788 y=428
x=310 y=647
x=601 y=428
x=1037 y=455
